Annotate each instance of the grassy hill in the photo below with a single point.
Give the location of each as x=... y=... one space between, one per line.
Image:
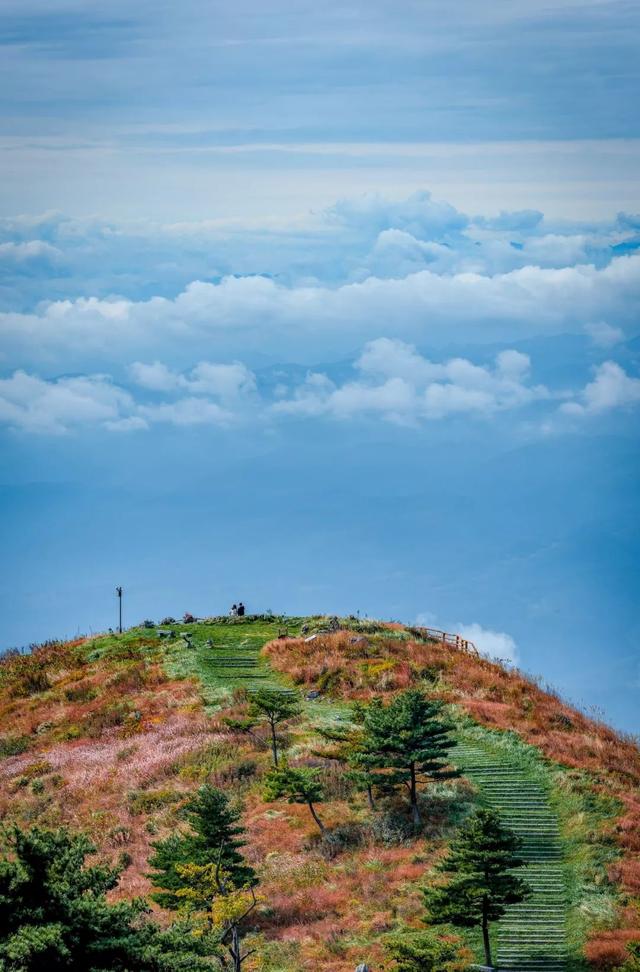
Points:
x=112 y=734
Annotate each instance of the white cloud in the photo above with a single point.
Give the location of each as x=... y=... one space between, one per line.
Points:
x=393 y=383
x=58 y=406
x=401 y=385
x=419 y=215
x=557 y=250
x=33 y=251
x=155 y=376
x=30 y=404
x=307 y=321
x=493 y=644
x=224 y=381
x=523 y=219
x=603 y=335
x=186 y=411
x=611 y=388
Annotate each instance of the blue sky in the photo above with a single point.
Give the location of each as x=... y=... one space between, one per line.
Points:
x=328 y=308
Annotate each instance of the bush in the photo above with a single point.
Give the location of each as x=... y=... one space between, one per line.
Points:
x=110 y=717
x=32 y=680
x=13 y=745
x=146 y=801
x=614 y=949
x=244 y=769
x=133 y=678
x=426 y=952
x=80 y=693
x=633 y=962
x=391 y=827
x=40 y=768
x=342 y=838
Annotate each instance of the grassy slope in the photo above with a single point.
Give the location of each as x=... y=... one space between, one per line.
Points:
x=128 y=726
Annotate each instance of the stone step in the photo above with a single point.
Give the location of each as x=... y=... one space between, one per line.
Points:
x=531 y=936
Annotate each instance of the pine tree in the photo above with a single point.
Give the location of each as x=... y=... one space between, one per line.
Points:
x=406 y=743
x=216 y=838
x=424 y=951
x=297 y=785
x=226 y=910
x=54 y=914
x=275 y=707
x=480 y=861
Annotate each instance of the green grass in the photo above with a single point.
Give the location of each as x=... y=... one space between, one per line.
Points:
x=562 y=822
x=555 y=810
x=225 y=654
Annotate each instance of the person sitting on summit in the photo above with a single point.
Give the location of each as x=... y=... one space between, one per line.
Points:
x=234 y=611
x=240 y=610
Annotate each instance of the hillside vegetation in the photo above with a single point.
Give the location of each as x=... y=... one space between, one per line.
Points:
x=113 y=736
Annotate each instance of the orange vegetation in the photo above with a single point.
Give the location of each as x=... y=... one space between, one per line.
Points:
x=351 y=666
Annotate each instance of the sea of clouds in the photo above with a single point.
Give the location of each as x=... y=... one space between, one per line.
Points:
x=407 y=311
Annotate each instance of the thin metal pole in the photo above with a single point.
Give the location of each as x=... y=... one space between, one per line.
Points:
x=119 y=593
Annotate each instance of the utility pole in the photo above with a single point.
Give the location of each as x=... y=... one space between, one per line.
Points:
x=119 y=594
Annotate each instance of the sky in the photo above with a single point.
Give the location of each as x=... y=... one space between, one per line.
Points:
x=328 y=308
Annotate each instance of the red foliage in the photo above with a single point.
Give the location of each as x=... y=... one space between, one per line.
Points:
x=608 y=949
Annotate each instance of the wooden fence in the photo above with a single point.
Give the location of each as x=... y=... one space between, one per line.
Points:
x=446 y=638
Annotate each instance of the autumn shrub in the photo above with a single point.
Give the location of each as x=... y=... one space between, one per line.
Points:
x=632 y=964
x=13 y=745
x=118 y=836
x=31 y=678
x=30 y=674
x=130 y=679
x=391 y=827
x=146 y=801
x=239 y=771
x=344 y=837
x=39 y=768
x=628 y=826
x=426 y=951
x=109 y=717
x=608 y=949
x=84 y=692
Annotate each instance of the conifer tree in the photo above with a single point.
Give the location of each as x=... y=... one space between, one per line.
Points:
x=216 y=838
x=225 y=910
x=296 y=785
x=54 y=914
x=480 y=861
x=425 y=951
x=406 y=743
x=274 y=707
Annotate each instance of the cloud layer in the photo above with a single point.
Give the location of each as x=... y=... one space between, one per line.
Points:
x=392 y=382
x=146 y=344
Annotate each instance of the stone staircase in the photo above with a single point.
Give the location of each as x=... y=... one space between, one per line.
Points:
x=531 y=936
x=235 y=662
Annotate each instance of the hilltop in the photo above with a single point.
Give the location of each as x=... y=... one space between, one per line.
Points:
x=113 y=734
